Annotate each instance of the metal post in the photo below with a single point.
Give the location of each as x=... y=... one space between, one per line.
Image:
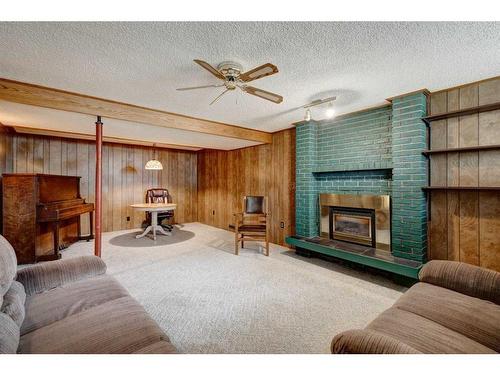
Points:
x=98 y=186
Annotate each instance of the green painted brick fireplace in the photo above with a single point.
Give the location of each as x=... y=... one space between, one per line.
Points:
x=377 y=151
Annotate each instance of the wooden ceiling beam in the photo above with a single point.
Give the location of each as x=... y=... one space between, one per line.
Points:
x=91 y=137
x=40 y=96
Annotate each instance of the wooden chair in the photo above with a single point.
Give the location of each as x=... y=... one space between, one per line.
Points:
x=252 y=223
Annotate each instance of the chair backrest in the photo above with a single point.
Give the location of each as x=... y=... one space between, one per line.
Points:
x=158 y=195
x=254 y=204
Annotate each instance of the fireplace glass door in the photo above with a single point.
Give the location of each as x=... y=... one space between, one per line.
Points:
x=353 y=225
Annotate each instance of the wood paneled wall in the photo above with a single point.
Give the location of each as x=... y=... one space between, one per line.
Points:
x=224 y=177
x=465 y=224
x=208 y=186
x=125 y=180
x=4 y=146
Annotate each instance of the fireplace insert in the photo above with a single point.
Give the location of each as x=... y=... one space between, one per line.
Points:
x=363 y=219
x=355 y=225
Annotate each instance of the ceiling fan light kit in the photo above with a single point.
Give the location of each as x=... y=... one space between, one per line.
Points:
x=231 y=74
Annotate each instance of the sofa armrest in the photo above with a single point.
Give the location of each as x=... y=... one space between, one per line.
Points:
x=463 y=278
x=366 y=341
x=49 y=275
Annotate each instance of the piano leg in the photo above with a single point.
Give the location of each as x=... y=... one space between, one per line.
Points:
x=91 y=223
x=91 y=215
x=56 y=238
x=91 y=235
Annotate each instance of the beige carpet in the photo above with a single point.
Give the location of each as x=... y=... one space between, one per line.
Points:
x=210 y=301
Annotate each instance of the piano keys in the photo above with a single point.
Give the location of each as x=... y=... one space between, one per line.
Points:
x=41 y=214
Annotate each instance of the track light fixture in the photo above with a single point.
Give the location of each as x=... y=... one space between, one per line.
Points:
x=330 y=111
x=307 y=116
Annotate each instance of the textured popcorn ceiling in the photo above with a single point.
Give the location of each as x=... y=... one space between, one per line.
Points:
x=142 y=63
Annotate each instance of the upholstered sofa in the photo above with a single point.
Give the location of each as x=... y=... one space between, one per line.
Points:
x=455 y=308
x=71 y=306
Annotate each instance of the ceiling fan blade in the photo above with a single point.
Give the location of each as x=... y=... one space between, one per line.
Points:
x=198 y=87
x=275 y=98
x=210 y=68
x=217 y=98
x=259 y=72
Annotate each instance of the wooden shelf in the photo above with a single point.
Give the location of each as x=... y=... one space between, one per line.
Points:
x=462 y=112
x=458 y=149
x=461 y=188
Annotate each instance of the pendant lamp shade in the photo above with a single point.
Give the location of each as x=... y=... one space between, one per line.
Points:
x=153 y=164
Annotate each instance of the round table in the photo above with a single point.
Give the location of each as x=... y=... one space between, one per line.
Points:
x=154 y=208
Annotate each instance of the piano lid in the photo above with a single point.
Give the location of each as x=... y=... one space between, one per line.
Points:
x=52 y=188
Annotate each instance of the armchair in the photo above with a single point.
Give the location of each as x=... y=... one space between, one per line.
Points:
x=159 y=195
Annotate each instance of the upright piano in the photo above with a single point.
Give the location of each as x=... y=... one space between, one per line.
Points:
x=42 y=214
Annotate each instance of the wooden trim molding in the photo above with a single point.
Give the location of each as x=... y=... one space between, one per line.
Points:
x=40 y=96
x=423 y=91
x=466 y=84
x=106 y=139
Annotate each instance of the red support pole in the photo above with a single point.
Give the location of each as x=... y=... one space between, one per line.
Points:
x=98 y=186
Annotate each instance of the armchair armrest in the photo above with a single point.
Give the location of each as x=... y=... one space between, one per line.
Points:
x=238 y=219
x=365 y=341
x=241 y=217
x=49 y=275
x=250 y=215
x=464 y=278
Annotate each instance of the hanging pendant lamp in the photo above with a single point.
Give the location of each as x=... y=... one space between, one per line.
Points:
x=154 y=164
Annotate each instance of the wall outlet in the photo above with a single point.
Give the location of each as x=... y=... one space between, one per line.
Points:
x=282 y=224
x=128 y=218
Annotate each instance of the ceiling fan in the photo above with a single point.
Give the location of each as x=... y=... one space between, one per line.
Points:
x=231 y=75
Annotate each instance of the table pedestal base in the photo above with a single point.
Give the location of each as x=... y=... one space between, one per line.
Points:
x=154 y=227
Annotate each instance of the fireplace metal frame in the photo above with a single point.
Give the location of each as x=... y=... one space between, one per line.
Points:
x=381 y=204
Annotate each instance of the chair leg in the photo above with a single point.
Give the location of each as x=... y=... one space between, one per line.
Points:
x=236 y=243
x=242 y=241
x=267 y=241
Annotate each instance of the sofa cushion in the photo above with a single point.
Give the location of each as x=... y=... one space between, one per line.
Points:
x=13 y=303
x=8 y=266
x=423 y=334
x=117 y=326
x=9 y=335
x=56 y=304
x=472 y=317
